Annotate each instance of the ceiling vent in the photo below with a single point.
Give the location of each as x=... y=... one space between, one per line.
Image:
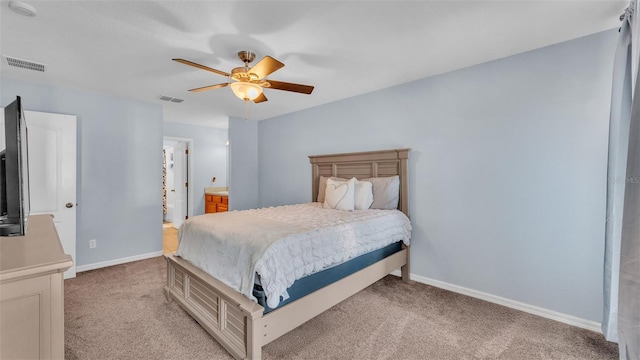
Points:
x=169 y=98
x=25 y=64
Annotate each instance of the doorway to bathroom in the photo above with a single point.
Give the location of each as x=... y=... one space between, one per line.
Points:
x=177 y=197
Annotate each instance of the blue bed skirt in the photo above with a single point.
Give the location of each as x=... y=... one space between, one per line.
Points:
x=313 y=282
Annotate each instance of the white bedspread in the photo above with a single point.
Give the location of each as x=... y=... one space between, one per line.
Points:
x=284 y=243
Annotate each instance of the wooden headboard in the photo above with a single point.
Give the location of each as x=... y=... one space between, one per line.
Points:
x=363 y=165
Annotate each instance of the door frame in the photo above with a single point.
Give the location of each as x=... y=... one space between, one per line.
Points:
x=189 y=195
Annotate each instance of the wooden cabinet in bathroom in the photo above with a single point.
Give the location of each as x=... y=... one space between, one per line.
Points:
x=215 y=203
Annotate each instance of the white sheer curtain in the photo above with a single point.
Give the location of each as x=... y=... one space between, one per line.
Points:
x=620 y=117
x=629 y=287
x=621 y=321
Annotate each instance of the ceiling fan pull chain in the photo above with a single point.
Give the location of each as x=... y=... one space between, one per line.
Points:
x=246 y=109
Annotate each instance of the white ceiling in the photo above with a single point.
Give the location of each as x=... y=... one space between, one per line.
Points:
x=347 y=48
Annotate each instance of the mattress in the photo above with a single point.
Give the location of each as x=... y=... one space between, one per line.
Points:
x=285 y=243
x=316 y=281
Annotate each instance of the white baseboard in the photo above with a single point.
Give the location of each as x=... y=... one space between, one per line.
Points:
x=102 y=264
x=531 y=309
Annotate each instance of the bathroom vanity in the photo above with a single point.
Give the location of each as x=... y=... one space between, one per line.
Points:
x=216 y=200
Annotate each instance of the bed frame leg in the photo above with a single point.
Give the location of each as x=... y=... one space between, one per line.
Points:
x=404 y=270
x=166 y=295
x=254 y=338
x=405 y=273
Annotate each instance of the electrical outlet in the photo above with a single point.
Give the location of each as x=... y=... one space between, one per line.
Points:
x=92 y=244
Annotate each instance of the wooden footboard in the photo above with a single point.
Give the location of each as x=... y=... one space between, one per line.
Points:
x=238 y=323
x=226 y=314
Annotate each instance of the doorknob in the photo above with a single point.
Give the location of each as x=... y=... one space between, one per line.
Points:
x=69 y=205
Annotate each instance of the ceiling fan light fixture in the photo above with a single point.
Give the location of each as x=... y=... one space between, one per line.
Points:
x=246 y=90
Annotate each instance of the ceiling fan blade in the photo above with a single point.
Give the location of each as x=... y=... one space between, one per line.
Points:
x=260 y=99
x=299 y=88
x=210 y=87
x=265 y=67
x=191 y=63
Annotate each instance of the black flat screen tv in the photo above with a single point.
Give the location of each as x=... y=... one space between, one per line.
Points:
x=14 y=173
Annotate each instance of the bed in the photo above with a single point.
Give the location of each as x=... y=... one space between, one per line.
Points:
x=241 y=325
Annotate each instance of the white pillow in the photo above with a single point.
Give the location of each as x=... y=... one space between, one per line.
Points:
x=363 y=195
x=386 y=192
x=322 y=186
x=339 y=195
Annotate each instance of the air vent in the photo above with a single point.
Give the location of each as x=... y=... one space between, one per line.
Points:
x=25 y=64
x=169 y=98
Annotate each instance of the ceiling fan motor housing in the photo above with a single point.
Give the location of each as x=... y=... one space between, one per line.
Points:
x=242 y=74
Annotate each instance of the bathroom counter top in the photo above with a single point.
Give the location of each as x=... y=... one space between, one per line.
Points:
x=220 y=191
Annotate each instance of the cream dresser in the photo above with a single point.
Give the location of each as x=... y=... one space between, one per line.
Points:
x=32 y=292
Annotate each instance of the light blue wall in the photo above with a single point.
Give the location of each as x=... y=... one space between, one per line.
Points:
x=119 y=167
x=507 y=169
x=209 y=157
x=243 y=164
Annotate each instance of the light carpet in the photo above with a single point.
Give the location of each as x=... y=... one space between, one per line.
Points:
x=120 y=312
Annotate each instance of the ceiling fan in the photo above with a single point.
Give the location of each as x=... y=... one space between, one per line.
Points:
x=248 y=83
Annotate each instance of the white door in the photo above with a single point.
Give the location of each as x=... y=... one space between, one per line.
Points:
x=52 y=173
x=181 y=182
